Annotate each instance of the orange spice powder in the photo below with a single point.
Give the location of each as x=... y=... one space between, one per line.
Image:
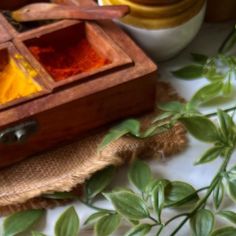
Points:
x=62 y=63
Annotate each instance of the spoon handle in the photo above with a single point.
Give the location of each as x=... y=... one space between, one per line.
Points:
x=51 y=11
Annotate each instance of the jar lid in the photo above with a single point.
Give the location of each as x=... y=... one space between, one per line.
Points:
x=157 y=17
x=154 y=11
x=156 y=2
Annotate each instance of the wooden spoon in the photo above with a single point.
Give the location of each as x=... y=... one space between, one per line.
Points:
x=51 y=11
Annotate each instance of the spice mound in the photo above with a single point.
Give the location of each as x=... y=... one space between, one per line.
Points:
x=62 y=62
x=15 y=84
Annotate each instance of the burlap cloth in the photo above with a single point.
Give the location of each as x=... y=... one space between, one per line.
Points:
x=61 y=170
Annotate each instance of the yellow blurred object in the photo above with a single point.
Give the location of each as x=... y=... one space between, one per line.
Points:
x=14 y=84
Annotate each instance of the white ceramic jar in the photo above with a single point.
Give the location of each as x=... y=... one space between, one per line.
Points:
x=160 y=41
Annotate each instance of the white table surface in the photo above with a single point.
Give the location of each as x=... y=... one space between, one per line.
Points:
x=178 y=167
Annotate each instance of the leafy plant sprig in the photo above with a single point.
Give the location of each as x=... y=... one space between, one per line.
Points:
x=143 y=206
x=146 y=205
x=219 y=70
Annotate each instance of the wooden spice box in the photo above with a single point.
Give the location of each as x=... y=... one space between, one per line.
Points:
x=74 y=107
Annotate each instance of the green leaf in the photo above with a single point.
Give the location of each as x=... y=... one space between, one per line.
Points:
x=201 y=128
x=139 y=230
x=37 y=234
x=161 y=117
x=180 y=194
x=226 y=123
x=107 y=225
x=174 y=107
x=112 y=136
x=128 y=204
x=202 y=223
x=61 y=195
x=20 y=222
x=231 y=189
x=227 y=88
x=208 y=92
x=99 y=181
x=226 y=231
x=133 y=222
x=68 y=223
x=189 y=72
x=191 y=109
x=151 y=186
x=229 y=42
x=94 y=217
x=211 y=71
x=228 y=215
x=154 y=130
x=232 y=174
x=199 y=58
x=155 y=183
x=210 y=155
x=131 y=126
x=140 y=175
x=158 y=198
x=218 y=194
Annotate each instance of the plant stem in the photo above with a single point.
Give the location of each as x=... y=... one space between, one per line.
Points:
x=96 y=208
x=202 y=202
x=160 y=230
x=175 y=217
x=153 y=219
x=188 y=197
x=215 y=113
x=229 y=36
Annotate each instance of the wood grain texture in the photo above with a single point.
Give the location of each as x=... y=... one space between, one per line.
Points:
x=52 y=11
x=4 y=36
x=14 y=4
x=66 y=123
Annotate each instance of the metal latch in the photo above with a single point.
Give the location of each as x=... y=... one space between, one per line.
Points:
x=18 y=133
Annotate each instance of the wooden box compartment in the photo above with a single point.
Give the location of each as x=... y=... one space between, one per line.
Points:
x=60 y=40
x=16 y=72
x=125 y=87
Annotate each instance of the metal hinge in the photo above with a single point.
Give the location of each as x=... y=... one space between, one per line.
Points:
x=18 y=133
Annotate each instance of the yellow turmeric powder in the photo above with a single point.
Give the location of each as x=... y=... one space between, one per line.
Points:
x=14 y=84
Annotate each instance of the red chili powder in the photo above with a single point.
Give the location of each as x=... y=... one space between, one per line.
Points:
x=65 y=62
